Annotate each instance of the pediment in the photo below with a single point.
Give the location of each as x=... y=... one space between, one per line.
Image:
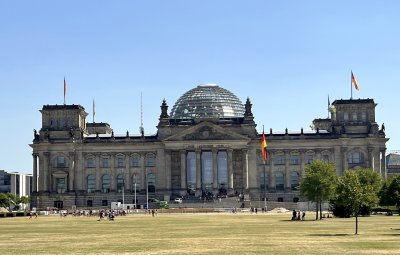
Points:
x=206 y=131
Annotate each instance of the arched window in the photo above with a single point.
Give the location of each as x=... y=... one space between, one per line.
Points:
x=135 y=161
x=355 y=157
x=279 y=181
x=90 y=163
x=91 y=183
x=309 y=157
x=120 y=161
x=294 y=159
x=262 y=181
x=279 y=159
x=151 y=183
x=105 y=183
x=120 y=183
x=150 y=160
x=60 y=162
x=136 y=180
x=326 y=156
x=294 y=178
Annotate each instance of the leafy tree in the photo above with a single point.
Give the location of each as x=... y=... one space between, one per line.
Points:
x=318 y=184
x=390 y=192
x=352 y=194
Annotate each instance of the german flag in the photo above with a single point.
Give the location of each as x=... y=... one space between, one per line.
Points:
x=353 y=80
x=264 y=146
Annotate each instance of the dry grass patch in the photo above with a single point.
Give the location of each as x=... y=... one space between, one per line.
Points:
x=198 y=234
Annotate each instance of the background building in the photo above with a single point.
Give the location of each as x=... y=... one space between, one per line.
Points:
x=207 y=146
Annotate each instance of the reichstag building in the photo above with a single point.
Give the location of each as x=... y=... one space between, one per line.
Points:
x=206 y=145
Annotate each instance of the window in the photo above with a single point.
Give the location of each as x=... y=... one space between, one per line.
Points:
x=151 y=183
x=90 y=162
x=263 y=180
x=60 y=162
x=355 y=116
x=280 y=199
x=120 y=183
x=295 y=199
x=294 y=178
x=91 y=183
x=105 y=183
x=279 y=181
x=105 y=163
x=325 y=157
x=294 y=159
x=135 y=162
x=150 y=160
x=136 y=183
x=280 y=159
x=345 y=116
x=120 y=162
x=355 y=157
x=206 y=170
x=89 y=203
x=309 y=157
x=104 y=202
x=363 y=116
x=61 y=185
x=222 y=169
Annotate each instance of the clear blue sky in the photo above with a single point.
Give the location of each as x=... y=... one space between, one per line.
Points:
x=286 y=56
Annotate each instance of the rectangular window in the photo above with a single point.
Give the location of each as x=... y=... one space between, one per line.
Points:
x=89 y=203
x=355 y=116
x=104 y=202
x=150 y=161
x=120 y=162
x=294 y=159
x=104 y=163
x=325 y=157
x=363 y=116
x=90 y=163
x=279 y=160
x=309 y=159
x=345 y=116
x=135 y=162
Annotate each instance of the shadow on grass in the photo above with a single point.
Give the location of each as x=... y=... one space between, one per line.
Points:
x=331 y=235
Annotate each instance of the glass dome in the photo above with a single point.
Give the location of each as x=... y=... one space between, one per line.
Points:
x=207 y=101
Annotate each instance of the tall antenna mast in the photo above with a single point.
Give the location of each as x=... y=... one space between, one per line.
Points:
x=141 y=115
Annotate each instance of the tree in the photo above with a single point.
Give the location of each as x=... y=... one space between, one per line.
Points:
x=318 y=184
x=390 y=192
x=352 y=194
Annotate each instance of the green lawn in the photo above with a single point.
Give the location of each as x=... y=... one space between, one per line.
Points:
x=199 y=234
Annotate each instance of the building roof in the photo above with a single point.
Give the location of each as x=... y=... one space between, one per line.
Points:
x=65 y=106
x=353 y=101
x=207 y=101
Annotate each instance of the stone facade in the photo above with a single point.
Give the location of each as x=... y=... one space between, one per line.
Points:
x=85 y=165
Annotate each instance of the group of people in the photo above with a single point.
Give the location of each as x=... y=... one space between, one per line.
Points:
x=296 y=215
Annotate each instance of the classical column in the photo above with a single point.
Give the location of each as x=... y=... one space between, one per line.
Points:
x=383 y=164
x=113 y=181
x=198 y=169
x=215 y=168
x=127 y=178
x=271 y=170
x=46 y=184
x=168 y=176
x=303 y=163
x=71 y=171
x=97 y=174
x=345 y=164
x=245 y=169
x=230 y=169
x=183 y=170
x=287 y=172
x=371 y=158
x=35 y=172
x=143 y=177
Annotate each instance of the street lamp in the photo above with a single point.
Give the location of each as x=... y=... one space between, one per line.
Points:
x=147 y=191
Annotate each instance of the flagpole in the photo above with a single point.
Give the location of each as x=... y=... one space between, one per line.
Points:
x=265 y=186
x=93 y=110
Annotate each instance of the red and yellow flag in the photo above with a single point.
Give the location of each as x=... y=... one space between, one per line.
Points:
x=264 y=146
x=65 y=89
x=353 y=80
